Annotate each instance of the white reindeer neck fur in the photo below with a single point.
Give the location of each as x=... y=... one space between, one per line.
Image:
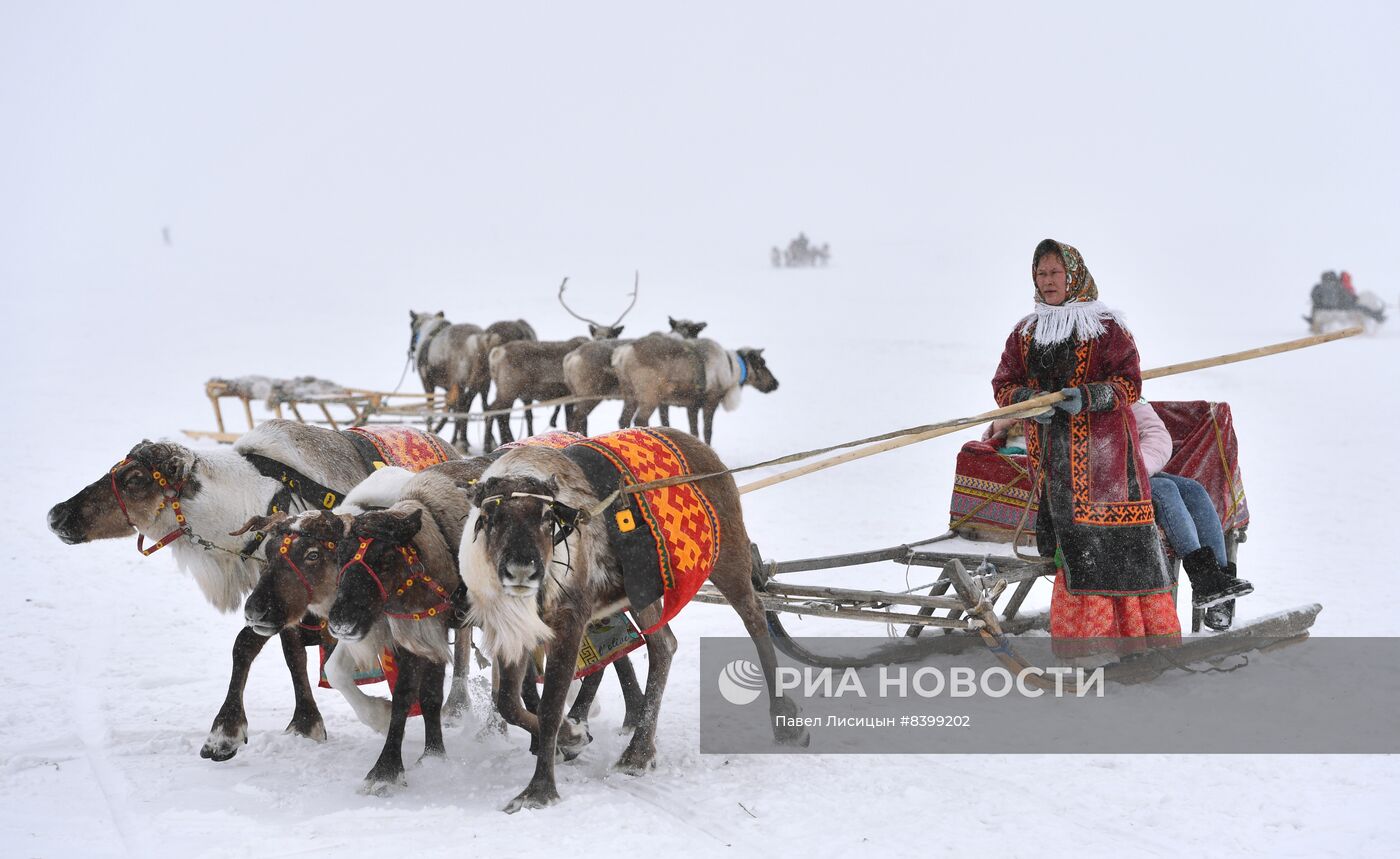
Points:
x=512 y=625
x=230 y=491
x=365 y=652
x=736 y=385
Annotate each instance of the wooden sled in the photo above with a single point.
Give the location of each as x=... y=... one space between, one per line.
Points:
x=970 y=617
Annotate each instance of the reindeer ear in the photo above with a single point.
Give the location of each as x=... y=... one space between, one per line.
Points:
x=700 y=326
x=553 y=484
x=440 y=314
x=593 y=330
x=397 y=528
x=169 y=459
x=671 y=321
x=333 y=524
x=617 y=332
x=475 y=492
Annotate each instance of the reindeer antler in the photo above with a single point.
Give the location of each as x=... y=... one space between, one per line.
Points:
x=636 y=285
x=570 y=309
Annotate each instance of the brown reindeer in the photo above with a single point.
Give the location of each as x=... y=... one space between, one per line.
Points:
x=439 y=351
x=530 y=372
x=538 y=569
x=700 y=375
x=298 y=582
x=527 y=371
x=479 y=348
x=588 y=372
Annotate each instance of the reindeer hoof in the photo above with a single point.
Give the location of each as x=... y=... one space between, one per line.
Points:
x=636 y=763
x=375 y=787
x=457 y=702
x=533 y=797
x=793 y=737
x=220 y=746
x=578 y=737
x=314 y=730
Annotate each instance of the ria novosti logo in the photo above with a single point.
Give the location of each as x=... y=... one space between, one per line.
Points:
x=741 y=682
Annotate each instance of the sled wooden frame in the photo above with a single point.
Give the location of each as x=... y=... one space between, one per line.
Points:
x=970 y=618
x=365 y=406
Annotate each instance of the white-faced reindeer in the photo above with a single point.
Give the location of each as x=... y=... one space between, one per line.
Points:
x=698 y=374
x=588 y=371
x=192 y=501
x=538 y=571
x=535 y=371
x=439 y=351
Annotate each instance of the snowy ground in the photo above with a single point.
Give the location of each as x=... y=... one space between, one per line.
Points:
x=310 y=210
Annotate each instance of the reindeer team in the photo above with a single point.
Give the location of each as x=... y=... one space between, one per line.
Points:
x=396 y=564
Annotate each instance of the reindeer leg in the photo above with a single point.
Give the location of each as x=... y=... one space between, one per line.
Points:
x=559 y=671
x=632 y=695
x=665 y=413
x=529 y=417
x=509 y=683
x=230 y=728
x=370 y=709
x=693 y=414
x=387 y=772
x=710 y=421
x=640 y=754
x=568 y=415
x=734 y=581
x=577 y=719
x=306 y=719
x=461 y=655
x=506 y=435
x=629 y=411
x=576 y=416
x=430 y=702
x=428 y=421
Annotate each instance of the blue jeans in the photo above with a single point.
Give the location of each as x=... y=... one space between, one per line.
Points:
x=1185 y=512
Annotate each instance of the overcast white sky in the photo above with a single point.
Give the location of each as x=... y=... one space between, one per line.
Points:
x=293 y=149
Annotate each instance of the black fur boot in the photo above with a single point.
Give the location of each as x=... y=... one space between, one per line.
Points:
x=1211 y=583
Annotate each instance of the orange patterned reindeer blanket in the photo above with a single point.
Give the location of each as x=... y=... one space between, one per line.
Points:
x=667 y=540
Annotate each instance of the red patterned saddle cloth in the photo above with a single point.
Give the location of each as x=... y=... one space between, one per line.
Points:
x=666 y=540
x=404 y=447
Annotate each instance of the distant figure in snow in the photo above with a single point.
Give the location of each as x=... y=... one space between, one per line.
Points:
x=777 y=257
x=1335 y=302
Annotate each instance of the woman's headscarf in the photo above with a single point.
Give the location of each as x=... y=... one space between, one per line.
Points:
x=1081 y=315
x=1079 y=284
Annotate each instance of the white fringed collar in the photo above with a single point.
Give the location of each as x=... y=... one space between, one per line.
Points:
x=1081 y=320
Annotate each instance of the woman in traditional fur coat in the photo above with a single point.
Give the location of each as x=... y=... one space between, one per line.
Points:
x=1095 y=517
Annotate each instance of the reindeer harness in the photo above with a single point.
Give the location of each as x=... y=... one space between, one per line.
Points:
x=279 y=502
x=417 y=572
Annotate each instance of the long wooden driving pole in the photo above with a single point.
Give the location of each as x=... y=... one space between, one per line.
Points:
x=1036 y=405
